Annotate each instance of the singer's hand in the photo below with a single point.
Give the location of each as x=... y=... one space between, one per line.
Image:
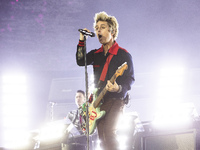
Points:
x=81 y=35
x=112 y=87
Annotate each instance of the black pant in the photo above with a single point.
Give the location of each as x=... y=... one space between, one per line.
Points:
x=107 y=125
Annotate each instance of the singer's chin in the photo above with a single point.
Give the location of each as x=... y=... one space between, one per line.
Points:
x=100 y=40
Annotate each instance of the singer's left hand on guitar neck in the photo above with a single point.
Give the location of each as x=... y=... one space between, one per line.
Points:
x=112 y=87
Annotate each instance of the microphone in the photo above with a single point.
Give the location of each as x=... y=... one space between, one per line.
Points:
x=91 y=34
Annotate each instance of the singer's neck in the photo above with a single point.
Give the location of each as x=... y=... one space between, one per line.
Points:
x=107 y=46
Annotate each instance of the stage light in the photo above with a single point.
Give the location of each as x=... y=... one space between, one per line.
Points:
x=10 y=98
x=8 y=88
x=14 y=108
x=170 y=85
x=16 y=139
x=174 y=116
x=122 y=139
x=14 y=84
x=172 y=76
x=170 y=91
x=51 y=131
x=14 y=78
x=15 y=122
x=126 y=121
x=10 y=110
x=98 y=145
x=126 y=127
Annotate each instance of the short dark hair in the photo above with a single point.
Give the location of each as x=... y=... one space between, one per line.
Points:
x=81 y=91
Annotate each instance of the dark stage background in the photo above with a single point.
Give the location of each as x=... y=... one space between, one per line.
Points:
x=39 y=38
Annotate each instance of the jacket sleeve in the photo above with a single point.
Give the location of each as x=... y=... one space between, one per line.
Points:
x=80 y=60
x=128 y=77
x=80 y=54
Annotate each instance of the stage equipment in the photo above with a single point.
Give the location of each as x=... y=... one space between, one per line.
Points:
x=59 y=111
x=64 y=89
x=178 y=138
x=173 y=128
x=175 y=115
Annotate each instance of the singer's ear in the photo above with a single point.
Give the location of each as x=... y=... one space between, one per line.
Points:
x=112 y=32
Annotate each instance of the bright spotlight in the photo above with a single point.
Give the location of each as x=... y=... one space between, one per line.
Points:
x=16 y=139
x=175 y=116
x=14 y=79
x=172 y=71
x=125 y=121
x=10 y=98
x=51 y=131
x=14 y=88
x=170 y=77
x=14 y=108
x=171 y=85
x=122 y=139
x=126 y=127
x=98 y=145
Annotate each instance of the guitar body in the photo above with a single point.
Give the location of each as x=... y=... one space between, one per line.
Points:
x=94 y=115
x=94 y=111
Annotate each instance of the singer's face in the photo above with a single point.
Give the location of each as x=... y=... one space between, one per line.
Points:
x=103 y=32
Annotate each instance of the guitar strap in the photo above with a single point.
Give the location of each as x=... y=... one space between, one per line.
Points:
x=105 y=68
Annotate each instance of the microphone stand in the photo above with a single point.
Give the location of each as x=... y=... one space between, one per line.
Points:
x=86 y=87
x=52 y=112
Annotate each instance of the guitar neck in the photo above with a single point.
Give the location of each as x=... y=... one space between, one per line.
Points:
x=103 y=92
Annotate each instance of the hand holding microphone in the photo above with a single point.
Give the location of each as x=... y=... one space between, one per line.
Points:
x=85 y=31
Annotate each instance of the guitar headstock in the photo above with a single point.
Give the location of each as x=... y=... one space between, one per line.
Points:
x=121 y=69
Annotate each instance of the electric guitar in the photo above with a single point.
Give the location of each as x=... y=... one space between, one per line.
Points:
x=94 y=108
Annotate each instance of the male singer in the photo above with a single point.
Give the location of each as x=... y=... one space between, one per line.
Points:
x=111 y=54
